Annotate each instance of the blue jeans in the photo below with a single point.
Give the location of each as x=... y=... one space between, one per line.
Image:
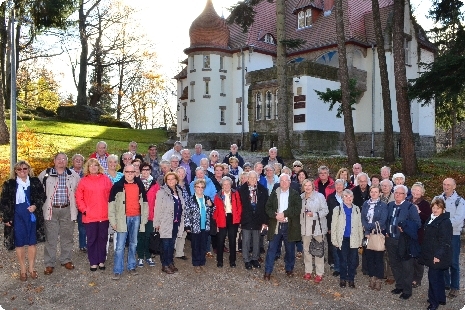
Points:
x=300 y=246
x=132 y=223
x=289 y=258
x=167 y=256
x=452 y=275
x=82 y=232
x=347 y=260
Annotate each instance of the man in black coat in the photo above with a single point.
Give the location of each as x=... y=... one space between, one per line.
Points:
x=235 y=154
x=188 y=165
x=253 y=219
x=272 y=158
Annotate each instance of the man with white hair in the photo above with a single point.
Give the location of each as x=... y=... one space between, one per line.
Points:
x=272 y=158
x=132 y=149
x=176 y=150
x=283 y=210
x=455 y=205
x=362 y=190
x=357 y=169
x=101 y=154
x=401 y=214
x=233 y=153
x=198 y=155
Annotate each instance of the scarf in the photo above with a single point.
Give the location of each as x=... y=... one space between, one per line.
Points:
x=433 y=217
x=147 y=182
x=20 y=194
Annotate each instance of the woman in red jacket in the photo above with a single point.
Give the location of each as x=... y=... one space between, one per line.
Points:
x=92 y=196
x=228 y=216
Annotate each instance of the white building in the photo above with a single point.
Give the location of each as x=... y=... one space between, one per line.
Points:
x=229 y=88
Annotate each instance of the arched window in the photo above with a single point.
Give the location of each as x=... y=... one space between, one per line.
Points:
x=276 y=105
x=301 y=20
x=308 y=18
x=268 y=105
x=258 y=107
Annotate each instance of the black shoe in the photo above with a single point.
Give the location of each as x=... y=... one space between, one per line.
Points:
x=365 y=273
x=248 y=266
x=336 y=273
x=447 y=288
x=101 y=267
x=351 y=284
x=93 y=269
x=184 y=257
x=111 y=238
x=397 y=291
x=232 y=265
x=405 y=296
x=219 y=265
x=277 y=257
x=256 y=264
x=442 y=303
x=431 y=307
x=262 y=251
x=342 y=283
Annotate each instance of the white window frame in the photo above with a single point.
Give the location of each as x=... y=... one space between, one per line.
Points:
x=258 y=106
x=206 y=61
x=269 y=39
x=301 y=20
x=308 y=17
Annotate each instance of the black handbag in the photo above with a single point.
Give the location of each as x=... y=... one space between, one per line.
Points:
x=317 y=248
x=155 y=246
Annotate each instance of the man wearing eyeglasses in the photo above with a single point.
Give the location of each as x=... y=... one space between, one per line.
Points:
x=401 y=214
x=128 y=213
x=283 y=209
x=132 y=151
x=60 y=212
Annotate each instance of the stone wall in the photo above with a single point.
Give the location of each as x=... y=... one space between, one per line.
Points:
x=443 y=137
x=211 y=141
x=314 y=142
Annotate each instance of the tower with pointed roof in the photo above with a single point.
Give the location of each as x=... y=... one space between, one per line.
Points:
x=228 y=87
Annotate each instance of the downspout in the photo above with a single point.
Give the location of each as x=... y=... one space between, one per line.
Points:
x=243 y=100
x=373 y=104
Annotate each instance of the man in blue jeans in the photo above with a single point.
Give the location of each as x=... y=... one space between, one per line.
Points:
x=455 y=205
x=283 y=209
x=128 y=214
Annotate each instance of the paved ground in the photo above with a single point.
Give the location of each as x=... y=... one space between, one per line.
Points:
x=224 y=288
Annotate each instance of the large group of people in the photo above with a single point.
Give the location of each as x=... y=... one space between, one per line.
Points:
x=208 y=200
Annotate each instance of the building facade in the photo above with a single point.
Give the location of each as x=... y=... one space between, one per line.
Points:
x=228 y=87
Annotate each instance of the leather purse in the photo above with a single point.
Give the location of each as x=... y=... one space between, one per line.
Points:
x=376 y=240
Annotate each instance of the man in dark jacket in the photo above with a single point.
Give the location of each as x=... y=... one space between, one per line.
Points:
x=235 y=154
x=253 y=218
x=283 y=210
x=362 y=190
x=188 y=165
x=400 y=210
x=272 y=158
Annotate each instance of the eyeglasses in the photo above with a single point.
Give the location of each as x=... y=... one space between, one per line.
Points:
x=214 y=155
x=347 y=196
x=146 y=169
x=130 y=171
x=127 y=158
x=61 y=159
x=397 y=193
x=298 y=166
x=22 y=169
x=199 y=187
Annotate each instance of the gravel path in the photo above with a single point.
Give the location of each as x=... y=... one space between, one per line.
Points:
x=224 y=288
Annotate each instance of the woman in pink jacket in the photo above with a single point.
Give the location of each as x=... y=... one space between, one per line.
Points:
x=92 y=196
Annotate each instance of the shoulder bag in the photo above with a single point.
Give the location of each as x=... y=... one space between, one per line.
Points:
x=376 y=240
x=317 y=248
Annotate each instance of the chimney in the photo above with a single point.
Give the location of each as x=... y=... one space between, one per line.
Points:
x=329 y=4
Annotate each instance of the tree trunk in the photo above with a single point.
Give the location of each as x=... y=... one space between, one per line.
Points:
x=351 y=145
x=386 y=94
x=82 y=83
x=3 y=51
x=97 y=88
x=285 y=121
x=409 y=158
x=119 y=102
x=453 y=129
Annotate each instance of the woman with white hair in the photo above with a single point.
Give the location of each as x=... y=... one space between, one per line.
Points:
x=227 y=215
x=214 y=159
x=399 y=179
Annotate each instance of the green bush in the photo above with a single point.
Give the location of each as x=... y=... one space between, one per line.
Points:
x=109 y=120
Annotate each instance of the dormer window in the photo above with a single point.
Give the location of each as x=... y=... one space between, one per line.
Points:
x=269 y=39
x=206 y=61
x=304 y=18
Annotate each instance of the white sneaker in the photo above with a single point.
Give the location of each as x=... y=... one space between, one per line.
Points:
x=150 y=262
x=140 y=263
